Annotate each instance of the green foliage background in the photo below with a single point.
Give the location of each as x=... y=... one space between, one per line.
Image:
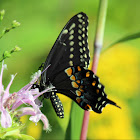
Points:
x=41 y=23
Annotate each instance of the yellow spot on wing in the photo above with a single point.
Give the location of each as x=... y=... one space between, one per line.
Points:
x=74 y=84
x=88 y=74
x=65 y=31
x=79 y=15
x=79 y=69
x=68 y=71
x=72 y=78
x=78 y=100
x=81 y=90
x=93 y=83
x=97 y=91
x=78 y=93
x=78 y=81
x=71 y=63
x=87 y=107
x=72 y=26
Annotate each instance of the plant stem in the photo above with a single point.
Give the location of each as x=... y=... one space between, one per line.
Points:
x=98 y=43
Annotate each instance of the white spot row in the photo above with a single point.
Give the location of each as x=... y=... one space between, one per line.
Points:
x=79 y=31
x=71 y=49
x=99 y=85
x=79 y=15
x=65 y=31
x=71 y=63
x=99 y=99
x=71 y=56
x=80 y=43
x=80 y=20
x=71 y=32
x=79 y=37
x=71 y=37
x=72 y=26
x=71 y=43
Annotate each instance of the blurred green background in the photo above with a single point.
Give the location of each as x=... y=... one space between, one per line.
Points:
x=41 y=23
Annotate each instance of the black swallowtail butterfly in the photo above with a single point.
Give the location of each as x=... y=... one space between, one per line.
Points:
x=68 y=71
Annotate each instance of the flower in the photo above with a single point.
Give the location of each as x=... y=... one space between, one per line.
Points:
x=10 y=103
x=6 y=120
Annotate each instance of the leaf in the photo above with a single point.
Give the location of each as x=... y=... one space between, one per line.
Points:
x=19 y=137
x=15 y=134
x=75 y=123
x=26 y=137
x=124 y=39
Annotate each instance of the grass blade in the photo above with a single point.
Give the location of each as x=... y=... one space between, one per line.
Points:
x=75 y=123
x=124 y=39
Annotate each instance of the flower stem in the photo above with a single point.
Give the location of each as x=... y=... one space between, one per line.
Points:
x=98 y=43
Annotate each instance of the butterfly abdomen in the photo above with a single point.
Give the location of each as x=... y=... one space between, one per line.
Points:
x=57 y=104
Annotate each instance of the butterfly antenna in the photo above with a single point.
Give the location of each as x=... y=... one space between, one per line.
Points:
x=46 y=68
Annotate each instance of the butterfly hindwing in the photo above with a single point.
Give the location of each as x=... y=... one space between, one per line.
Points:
x=89 y=92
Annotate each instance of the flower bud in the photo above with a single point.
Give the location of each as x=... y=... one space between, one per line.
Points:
x=16 y=49
x=15 y=24
x=2 y=13
x=6 y=54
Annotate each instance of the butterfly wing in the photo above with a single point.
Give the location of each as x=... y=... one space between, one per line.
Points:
x=90 y=92
x=70 y=48
x=83 y=87
x=68 y=61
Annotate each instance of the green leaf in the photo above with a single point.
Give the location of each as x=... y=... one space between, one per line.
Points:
x=124 y=39
x=15 y=134
x=19 y=137
x=26 y=137
x=75 y=123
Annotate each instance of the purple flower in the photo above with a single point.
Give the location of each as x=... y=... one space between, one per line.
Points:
x=10 y=102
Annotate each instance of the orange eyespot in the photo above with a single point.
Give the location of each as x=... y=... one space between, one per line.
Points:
x=78 y=93
x=68 y=71
x=87 y=107
x=88 y=74
x=93 y=83
x=72 y=78
x=78 y=100
x=75 y=85
x=81 y=90
x=97 y=91
x=78 y=81
x=79 y=69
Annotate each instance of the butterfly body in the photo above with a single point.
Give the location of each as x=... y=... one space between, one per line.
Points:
x=68 y=72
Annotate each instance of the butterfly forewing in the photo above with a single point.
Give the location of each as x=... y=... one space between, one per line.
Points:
x=70 y=48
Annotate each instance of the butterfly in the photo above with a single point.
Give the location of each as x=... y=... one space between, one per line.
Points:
x=68 y=71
